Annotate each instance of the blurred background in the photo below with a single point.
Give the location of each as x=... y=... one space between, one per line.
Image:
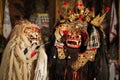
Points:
x=44 y=14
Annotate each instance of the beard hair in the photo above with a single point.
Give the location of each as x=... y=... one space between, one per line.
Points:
x=72 y=53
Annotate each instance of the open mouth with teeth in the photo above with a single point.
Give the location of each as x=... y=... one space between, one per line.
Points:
x=73 y=43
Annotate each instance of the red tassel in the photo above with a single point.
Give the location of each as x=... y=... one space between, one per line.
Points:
x=72 y=12
x=93 y=49
x=74 y=75
x=66 y=3
x=80 y=17
x=58 y=11
x=107 y=9
x=65 y=74
x=81 y=4
x=92 y=8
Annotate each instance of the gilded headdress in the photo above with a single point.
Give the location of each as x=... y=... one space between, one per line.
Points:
x=81 y=13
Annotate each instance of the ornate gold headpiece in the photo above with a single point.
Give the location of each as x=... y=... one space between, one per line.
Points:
x=80 y=12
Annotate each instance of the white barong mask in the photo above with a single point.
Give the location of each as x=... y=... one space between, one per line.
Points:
x=28 y=36
x=33 y=34
x=24 y=57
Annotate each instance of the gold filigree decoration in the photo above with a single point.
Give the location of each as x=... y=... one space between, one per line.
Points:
x=89 y=55
x=61 y=54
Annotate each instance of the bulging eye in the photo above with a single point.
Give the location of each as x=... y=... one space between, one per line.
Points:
x=78 y=36
x=69 y=34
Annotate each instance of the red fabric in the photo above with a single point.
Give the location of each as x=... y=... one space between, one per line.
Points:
x=32 y=54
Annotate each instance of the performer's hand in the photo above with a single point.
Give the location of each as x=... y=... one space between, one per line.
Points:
x=94 y=78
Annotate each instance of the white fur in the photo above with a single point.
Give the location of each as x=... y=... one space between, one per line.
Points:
x=41 y=68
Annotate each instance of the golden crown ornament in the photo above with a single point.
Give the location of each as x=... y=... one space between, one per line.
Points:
x=80 y=12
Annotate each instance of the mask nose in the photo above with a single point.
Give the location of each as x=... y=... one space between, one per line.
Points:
x=73 y=36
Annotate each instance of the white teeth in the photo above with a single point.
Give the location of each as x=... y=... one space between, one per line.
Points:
x=34 y=35
x=77 y=42
x=34 y=41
